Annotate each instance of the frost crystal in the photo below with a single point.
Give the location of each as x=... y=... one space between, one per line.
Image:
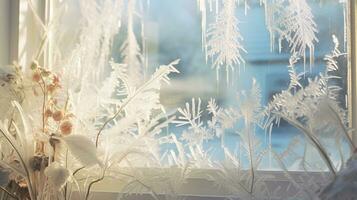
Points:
x=224 y=40
x=131 y=52
x=293 y=21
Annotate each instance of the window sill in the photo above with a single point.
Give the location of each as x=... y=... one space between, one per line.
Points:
x=197 y=185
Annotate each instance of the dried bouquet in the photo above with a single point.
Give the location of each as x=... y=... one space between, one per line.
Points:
x=40 y=133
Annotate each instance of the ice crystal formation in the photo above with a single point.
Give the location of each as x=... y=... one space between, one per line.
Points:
x=92 y=117
x=287 y=20
x=292 y=21
x=131 y=50
x=222 y=40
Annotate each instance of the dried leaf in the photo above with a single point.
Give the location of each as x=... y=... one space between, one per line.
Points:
x=83 y=149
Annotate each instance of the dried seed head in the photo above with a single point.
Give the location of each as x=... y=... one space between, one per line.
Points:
x=66 y=127
x=34 y=65
x=36 y=163
x=57 y=116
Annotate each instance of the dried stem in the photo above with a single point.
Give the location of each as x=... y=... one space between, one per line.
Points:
x=43 y=103
x=9 y=193
x=77 y=170
x=92 y=183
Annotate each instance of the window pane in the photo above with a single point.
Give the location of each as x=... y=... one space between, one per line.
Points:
x=173 y=30
x=169 y=30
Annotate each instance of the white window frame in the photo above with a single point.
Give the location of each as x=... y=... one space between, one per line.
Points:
x=352 y=68
x=9 y=17
x=21 y=31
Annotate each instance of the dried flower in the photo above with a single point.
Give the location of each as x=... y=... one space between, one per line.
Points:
x=48 y=113
x=57 y=116
x=66 y=127
x=36 y=76
x=55 y=80
x=51 y=88
x=54 y=101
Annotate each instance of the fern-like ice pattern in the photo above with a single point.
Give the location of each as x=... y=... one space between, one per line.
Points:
x=224 y=41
